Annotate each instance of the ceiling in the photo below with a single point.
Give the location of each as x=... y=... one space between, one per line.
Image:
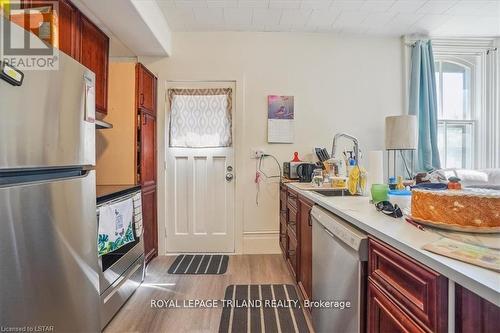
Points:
x=374 y=17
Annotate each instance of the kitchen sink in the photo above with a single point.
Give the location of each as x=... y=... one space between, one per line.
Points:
x=333 y=193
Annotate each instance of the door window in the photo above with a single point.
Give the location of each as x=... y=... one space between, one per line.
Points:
x=200 y=118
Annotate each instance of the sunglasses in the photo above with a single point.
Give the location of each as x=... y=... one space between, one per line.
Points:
x=388 y=209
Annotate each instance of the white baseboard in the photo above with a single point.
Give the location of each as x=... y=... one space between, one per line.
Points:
x=266 y=242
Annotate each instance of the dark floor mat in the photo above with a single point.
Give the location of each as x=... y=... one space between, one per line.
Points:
x=199 y=264
x=276 y=308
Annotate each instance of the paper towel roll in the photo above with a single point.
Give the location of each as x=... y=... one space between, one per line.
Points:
x=375 y=167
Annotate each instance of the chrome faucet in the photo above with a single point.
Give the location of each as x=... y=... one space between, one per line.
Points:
x=353 y=139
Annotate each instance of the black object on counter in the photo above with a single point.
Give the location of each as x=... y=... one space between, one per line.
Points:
x=388 y=209
x=305 y=171
x=430 y=186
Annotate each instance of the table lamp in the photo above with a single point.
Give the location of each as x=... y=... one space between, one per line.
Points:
x=400 y=138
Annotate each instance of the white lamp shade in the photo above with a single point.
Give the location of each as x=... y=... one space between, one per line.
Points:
x=401 y=132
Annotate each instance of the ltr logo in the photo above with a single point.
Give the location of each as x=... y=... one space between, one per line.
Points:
x=29 y=32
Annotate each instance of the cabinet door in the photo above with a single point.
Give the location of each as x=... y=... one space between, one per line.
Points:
x=69 y=29
x=293 y=216
x=94 y=51
x=473 y=313
x=305 y=247
x=283 y=238
x=147 y=148
x=146 y=82
x=150 y=235
x=419 y=291
x=292 y=253
x=384 y=316
x=283 y=220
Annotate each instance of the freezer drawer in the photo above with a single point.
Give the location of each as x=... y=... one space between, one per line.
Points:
x=48 y=262
x=114 y=298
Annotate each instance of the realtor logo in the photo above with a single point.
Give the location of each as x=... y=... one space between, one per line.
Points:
x=29 y=34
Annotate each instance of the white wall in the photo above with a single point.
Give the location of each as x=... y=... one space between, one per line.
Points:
x=340 y=83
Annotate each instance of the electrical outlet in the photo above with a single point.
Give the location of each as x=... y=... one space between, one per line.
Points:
x=256 y=153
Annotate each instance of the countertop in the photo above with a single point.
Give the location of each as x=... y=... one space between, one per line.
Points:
x=407 y=239
x=106 y=192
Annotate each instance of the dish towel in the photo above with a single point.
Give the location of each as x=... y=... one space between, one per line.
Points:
x=115 y=226
x=138 y=214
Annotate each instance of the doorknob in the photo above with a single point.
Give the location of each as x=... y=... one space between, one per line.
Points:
x=229 y=176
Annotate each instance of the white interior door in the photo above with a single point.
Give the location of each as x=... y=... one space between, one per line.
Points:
x=200 y=186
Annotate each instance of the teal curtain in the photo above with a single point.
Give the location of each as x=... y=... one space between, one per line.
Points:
x=423 y=104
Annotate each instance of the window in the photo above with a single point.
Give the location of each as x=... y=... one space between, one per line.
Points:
x=456 y=112
x=200 y=118
x=468 y=100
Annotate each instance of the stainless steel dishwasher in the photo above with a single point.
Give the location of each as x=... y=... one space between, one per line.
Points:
x=339 y=260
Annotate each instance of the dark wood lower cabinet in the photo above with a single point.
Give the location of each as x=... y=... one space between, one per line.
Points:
x=292 y=254
x=304 y=276
x=404 y=293
x=386 y=317
x=150 y=234
x=292 y=216
x=474 y=314
x=146 y=159
x=283 y=238
x=296 y=237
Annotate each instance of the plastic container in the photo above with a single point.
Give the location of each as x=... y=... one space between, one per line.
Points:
x=339 y=182
x=379 y=192
x=402 y=198
x=392 y=183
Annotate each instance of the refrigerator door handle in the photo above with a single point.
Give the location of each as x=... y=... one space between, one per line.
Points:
x=14 y=178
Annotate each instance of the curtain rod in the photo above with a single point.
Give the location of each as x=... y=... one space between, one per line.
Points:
x=488 y=50
x=492 y=50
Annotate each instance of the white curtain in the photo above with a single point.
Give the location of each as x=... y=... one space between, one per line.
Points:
x=200 y=118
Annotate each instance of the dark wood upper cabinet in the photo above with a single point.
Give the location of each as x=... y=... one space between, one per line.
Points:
x=94 y=52
x=146 y=83
x=69 y=29
x=66 y=19
x=147 y=147
x=78 y=37
x=304 y=278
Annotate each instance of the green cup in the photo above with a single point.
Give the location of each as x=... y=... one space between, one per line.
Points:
x=379 y=192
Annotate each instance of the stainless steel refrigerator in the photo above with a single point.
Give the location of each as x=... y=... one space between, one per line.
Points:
x=48 y=233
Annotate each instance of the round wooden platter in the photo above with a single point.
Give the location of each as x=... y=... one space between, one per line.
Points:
x=456 y=227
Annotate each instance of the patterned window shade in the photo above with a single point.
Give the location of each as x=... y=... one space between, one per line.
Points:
x=200 y=118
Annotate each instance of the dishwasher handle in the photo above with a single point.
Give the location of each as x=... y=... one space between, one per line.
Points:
x=328 y=232
x=342 y=231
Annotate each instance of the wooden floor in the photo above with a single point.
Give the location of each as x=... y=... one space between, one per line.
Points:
x=138 y=315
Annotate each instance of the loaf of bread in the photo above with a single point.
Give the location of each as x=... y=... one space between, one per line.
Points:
x=478 y=208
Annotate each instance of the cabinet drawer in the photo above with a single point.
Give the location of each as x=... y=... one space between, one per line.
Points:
x=292 y=254
x=283 y=217
x=292 y=198
x=419 y=291
x=385 y=316
x=283 y=238
x=292 y=215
